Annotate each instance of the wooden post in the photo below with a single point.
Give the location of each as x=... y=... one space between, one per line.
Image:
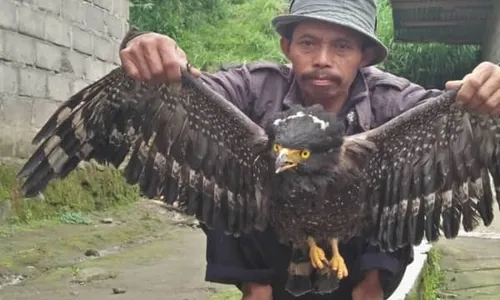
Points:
x=491 y=40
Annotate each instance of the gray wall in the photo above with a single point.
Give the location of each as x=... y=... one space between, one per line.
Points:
x=49 y=49
x=491 y=44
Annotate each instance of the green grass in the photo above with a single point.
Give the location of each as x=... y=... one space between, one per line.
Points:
x=429 y=64
x=222 y=32
x=431 y=279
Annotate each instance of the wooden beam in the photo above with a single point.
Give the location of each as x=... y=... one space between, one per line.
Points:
x=440 y=40
x=443 y=3
x=480 y=23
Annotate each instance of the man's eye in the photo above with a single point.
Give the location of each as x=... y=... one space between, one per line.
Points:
x=306 y=43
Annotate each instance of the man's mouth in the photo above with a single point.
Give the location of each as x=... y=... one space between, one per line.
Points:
x=318 y=81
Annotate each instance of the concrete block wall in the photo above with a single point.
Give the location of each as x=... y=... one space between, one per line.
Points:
x=50 y=49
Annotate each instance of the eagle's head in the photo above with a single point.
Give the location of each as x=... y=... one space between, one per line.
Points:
x=305 y=139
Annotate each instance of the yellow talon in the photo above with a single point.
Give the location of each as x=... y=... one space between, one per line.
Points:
x=316 y=254
x=337 y=262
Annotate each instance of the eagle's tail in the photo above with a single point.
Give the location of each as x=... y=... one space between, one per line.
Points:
x=299 y=273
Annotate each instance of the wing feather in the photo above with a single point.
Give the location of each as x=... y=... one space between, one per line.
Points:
x=431 y=170
x=186 y=144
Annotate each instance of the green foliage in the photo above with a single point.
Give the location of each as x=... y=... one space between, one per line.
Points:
x=93 y=188
x=431 y=279
x=224 y=31
x=429 y=64
x=217 y=31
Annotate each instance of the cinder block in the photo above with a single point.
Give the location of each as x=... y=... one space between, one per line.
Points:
x=31 y=21
x=17 y=111
x=8 y=14
x=8 y=79
x=77 y=62
x=57 y=31
x=42 y=110
x=94 y=69
x=94 y=18
x=48 y=56
x=115 y=27
x=33 y=82
x=58 y=87
x=53 y=6
x=18 y=47
x=82 y=40
x=121 y=8
x=103 y=48
x=106 y=4
x=78 y=85
x=73 y=10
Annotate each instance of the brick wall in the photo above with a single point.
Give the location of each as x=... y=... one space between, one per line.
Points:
x=49 y=49
x=491 y=44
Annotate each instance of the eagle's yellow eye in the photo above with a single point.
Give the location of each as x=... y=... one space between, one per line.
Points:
x=276 y=147
x=305 y=153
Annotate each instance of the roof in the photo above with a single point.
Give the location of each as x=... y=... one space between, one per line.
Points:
x=443 y=21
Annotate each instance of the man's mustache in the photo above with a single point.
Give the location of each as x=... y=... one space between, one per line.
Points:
x=323 y=75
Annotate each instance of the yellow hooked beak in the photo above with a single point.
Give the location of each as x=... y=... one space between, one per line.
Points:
x=289 y=158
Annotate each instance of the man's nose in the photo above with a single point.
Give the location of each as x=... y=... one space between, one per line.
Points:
x=322 y=58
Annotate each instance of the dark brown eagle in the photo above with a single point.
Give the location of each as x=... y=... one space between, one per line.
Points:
x=422 y=173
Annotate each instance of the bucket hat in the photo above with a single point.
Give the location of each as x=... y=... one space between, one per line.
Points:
x=358 y=15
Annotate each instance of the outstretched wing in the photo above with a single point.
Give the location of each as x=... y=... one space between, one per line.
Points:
x=429 y=171
x=186 y=143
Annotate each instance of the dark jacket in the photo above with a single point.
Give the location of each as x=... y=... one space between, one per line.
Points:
x=261 y=89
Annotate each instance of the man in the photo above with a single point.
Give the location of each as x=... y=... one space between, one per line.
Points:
x=332 y=50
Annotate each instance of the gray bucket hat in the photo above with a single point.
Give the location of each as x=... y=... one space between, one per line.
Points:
x=359 y=15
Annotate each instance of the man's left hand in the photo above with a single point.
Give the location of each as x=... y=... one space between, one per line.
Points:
x=480 y=91
x=369 y=288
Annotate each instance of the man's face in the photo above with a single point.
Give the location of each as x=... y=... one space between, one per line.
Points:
x=325 y=58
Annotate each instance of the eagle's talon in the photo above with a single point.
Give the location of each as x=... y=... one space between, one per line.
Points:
x=316 y=254
x=337 y=262
x=338 y=265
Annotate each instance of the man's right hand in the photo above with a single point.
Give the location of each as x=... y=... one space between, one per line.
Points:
x=154 y=58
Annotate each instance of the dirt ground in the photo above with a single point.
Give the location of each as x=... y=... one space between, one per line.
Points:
x=145 y=252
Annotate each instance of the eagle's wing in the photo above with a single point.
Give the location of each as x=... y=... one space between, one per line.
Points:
x=428 y=171
x=185 y=143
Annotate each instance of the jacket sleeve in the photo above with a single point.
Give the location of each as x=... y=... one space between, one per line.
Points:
x=233 y=84
x=393 y=95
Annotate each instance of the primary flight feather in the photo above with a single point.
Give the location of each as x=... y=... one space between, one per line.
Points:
x=426 y=171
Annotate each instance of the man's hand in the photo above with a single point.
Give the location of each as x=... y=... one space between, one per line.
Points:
x=154 y=58
x=369 y=288
x=480 y=91
x=255 y=291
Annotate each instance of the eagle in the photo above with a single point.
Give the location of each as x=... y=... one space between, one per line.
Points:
x=422 y=174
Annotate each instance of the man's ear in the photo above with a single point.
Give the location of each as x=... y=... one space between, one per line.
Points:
x=285 y=46
x=368 y=56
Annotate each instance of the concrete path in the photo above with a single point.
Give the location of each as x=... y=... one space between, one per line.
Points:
x=471 y=263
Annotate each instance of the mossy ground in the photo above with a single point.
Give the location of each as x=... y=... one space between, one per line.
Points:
x=88 y=189
x=431 y=279
x=48 y=245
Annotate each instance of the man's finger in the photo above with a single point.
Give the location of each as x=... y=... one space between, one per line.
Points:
x=154 y=62
x=193 y=71
x=453 y=84
x=129 y=65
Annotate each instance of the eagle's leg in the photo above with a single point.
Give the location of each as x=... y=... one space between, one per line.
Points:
x=337 y=262
x=316 y=254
